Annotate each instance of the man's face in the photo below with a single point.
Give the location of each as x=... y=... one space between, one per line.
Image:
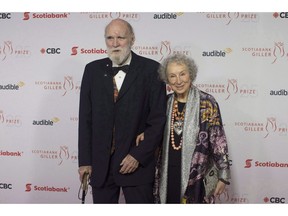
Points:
x=118 y=41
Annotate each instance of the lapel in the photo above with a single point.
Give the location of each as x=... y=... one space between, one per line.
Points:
x=130 y=76
x=106 y=67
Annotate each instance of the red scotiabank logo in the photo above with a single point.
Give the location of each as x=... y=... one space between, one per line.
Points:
x=28 y=187
x=26 y=16
x=46 y=188
x=74 y=50
x=248 y=163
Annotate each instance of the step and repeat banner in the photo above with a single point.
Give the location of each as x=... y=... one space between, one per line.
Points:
x=242 y=60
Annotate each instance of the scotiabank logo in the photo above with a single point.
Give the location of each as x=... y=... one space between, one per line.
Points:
x=28 y=16
x=37 y=188
x=11 y=154
x=74 y=51
x=265 y=164
x=248 y=163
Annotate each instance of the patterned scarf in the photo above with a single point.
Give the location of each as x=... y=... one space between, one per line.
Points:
x=190 y=133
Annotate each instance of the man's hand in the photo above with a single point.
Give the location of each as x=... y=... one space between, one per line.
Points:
x=83 y=169
x=129 y=164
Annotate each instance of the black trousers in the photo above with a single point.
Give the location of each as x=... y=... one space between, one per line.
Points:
x=110 y=192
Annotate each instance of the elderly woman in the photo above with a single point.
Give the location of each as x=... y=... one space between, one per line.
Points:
x=193 y=164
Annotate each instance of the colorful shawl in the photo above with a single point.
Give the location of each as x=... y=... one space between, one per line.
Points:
x=204 y=150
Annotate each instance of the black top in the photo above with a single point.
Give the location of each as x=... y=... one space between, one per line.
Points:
x=174 y=167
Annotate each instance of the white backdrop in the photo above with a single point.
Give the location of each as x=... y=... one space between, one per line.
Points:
x=242 y=60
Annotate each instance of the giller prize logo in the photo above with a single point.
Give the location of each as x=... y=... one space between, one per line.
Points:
x=66 y=86
x=239 y=198
x=230 y=88
x=161 y=50
x=10 y=120
x=273 y=54
x=224 y=197
x=249 y=163
x=112 y=15
x=8 y=49
x=265 y=128
x=158 y=52
x=231 y=17
x=74 y=119
x=61 y=155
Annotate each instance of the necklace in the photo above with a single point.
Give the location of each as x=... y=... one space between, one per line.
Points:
x=177 y=123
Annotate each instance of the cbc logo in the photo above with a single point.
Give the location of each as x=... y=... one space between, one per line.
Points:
x=274 y=200
x=277 y=200
x=51 y=51
x=5 y=186
x=281 y=14
x=5 y=15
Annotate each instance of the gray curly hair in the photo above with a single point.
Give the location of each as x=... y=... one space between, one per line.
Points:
x=178 y=59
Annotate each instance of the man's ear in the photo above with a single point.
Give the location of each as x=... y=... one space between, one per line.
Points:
x=132 y=40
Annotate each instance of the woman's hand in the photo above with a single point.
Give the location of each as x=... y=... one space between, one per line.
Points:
x=139 y=138
x=219 y=188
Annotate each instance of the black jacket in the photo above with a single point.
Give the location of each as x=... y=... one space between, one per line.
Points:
x=140 y=107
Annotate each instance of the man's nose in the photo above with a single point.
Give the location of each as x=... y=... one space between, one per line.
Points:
x=115 y=43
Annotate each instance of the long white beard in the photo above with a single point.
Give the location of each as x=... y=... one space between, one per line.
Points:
x=120 y=58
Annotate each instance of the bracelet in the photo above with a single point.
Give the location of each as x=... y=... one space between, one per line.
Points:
x=225 y=182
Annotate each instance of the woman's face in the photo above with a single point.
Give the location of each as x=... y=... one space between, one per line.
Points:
x=179 y=78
